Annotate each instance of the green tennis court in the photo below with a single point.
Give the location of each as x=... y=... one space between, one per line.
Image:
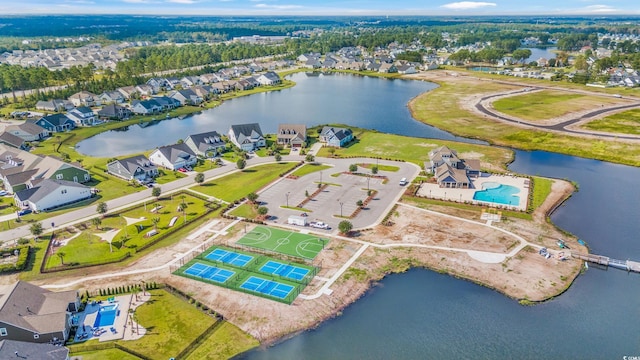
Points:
x=284 y=242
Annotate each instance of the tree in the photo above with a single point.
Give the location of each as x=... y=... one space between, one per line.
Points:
x=241 y=163
x=97 y=222
x=359 y=203
x=345 y=227
x=263 y=210
x=353 y=168
x=521 y=55
x=374 y=170
x=252 y=197
x=102 y=208
x=61 y=255
x=310 y=158
x=199 y=178
x=36 y=229
x=278 y=157
x=155 y=222
x=156 y=191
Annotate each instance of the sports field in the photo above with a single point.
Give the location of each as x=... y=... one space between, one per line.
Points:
x=250 y=273
x=284 y=242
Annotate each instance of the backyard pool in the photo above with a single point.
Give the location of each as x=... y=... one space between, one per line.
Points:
x=106 y=316
x=498 y=194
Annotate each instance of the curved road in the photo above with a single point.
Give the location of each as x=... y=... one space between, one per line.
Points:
x=562 y=126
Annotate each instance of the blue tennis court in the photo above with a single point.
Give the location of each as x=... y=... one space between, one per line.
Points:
x=267 y=287
x=209 y=272
x=229 y=257
x=284 y=270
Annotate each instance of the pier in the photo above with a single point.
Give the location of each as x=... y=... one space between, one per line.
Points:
x=627 y=265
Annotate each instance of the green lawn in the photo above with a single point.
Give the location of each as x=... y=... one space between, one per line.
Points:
x=546 y=104
x=389 y=168
x=246 y=211
x=309 y=169
x=541 y=189
x=107 y=354
x=626 y=122
x=167 y=176
x=237 y=185
x=224 y=343
x=87 y=248
x=7 y=205
x=416 y=150
x=171 y=323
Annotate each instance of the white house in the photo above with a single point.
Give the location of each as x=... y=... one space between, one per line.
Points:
x=82 y=116
x=247 y=137
x=173 y=157
x=46 y=194
x=207 y=144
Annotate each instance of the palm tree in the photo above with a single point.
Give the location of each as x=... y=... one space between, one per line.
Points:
x=155 y=222
x=61 y=255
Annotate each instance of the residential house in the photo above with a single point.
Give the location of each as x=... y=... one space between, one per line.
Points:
x=253 y=82
x=54 y=105
x=55 y=123
x=173 y=82
x=159 y=84
x=209 y=78
x=82 y=116
x=129 y=92
x=32 y=314
x=144 y=90
x=146 y=107
x=208 y=144
x=48 y=194
x=12 y=140
x=387 y=68
x=112 y=97
x=174 y=156
x=85 y=98
x=222 y=86
x=137 y=168
x=28 y=131
x=335 y=136
x=244 y=84
x=166 y=103
x=189 y=81
x=406 y=69
x=247 y=137
x=269 y=78
x=114 y=112
x=186 y=97
x=204 y=91
x=11 y=349
x=293 y=135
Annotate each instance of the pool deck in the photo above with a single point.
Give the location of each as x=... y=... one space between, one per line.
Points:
x=434 y=191
x=87 y=318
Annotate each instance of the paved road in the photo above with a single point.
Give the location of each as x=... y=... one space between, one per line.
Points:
x=562 y=126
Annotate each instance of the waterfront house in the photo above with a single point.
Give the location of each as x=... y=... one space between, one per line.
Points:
x=173 y=157
x=32 y=314
x=48 y=194
x=335 y=136
x=292 y=135
x=146 y=107
x=28 y=131
x=55 y=123
x=208 y=144
x=84 y=98
x=137 y=168
x=247 y=137
x=186 y=97
x=166 y=103
x=451 y=171
x=269 y=78
x=243 y=84
x=114 y=112
x=82 y=116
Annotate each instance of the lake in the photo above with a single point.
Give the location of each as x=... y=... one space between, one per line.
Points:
x=537 y=53
x=367 y=102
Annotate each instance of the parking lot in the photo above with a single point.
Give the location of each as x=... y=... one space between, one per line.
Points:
x=339 y=198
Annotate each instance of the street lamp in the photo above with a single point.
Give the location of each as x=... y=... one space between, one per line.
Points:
x=368 y=178
x=287 y=195
x=320 y=177
x=341 y=203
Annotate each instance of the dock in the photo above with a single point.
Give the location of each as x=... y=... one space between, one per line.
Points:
x=628 y=265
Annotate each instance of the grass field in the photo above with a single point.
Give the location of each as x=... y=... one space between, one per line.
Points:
x=548 y=104
x=415 y=150
x=284 y=242
x=227 y=341
x=237 y=185
x=107 y=354
x=626 y=122
x=380 y=167
x=309 y=169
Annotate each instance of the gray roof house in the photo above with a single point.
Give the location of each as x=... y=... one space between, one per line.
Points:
x=146 y=107
x=54 y=105
x=47 y=194
x=114 y=112
x=12 y=349
x=186 y=97
x=85 y=98
x=55 y=123
x=32 y=314
x=208 y=144
x=82 y=116
x=12 y=140
x=335 y=136
x=449 y=170
x=174 y=156
x=247 y=137
x=133 y=168
x=28 y=131
x=111 y=97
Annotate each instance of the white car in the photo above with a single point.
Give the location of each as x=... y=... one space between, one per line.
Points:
x=319 y=225
x=3 y=192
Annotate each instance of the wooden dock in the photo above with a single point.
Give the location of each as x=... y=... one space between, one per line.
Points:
x=627 y=265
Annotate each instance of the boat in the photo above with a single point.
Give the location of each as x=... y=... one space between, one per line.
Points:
x=586 y=266
x=581 y=242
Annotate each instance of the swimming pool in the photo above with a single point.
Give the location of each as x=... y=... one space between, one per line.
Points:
x=498 y=193
x=106 y=316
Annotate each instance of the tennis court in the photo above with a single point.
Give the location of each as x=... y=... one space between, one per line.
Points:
x=284 y=242
x=284 y=270
x=229 y=257
x=209 y=272
x=267 y=287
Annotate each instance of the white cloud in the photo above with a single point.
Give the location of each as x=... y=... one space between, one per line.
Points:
x=182 y=1
x=277 y=7
x=467 y=5
x=138 y=1
x=599 y=9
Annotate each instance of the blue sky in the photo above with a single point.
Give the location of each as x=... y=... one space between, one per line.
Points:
x=324 y=7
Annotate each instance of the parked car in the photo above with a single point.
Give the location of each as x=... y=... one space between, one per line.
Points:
x=319 y=225
x=24 y=212
x=3 y=192
x=182 y=170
